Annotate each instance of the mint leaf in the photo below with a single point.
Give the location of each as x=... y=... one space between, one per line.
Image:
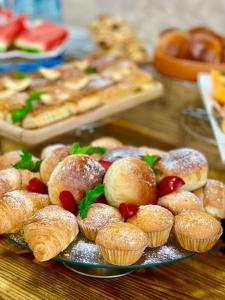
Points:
x=91 y=70
x=19 y=114
x=151 y=160
x=77 y=149
x=91 y=195
x=27 y=163
x=20 y=75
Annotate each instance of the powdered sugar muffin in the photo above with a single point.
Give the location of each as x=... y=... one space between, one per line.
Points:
x=121 y=244
x=213 y=197
x=98 y=215
x=188 y=164
x=155 y=221
x=180 y=200
x=197 y=230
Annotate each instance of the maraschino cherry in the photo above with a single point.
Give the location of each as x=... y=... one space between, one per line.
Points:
x=37 y=186
x=170 y=184
x=128 y=210
x=68 y=201
x=105 y=163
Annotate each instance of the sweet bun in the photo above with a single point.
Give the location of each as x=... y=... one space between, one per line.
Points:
x=75 y=174
x=214 y=198
x=180 y=200
x=8 y=159
x=188 y=164
x=46 y=151
x=51 y=161
x=130 y=180
x=123 y=152
x=107 y=142
x=151 y=151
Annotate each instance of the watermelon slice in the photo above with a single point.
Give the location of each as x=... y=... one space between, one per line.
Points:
x=10 y=30
x=42 y=37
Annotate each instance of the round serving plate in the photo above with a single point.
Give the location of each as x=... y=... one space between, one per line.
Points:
x=84 y=257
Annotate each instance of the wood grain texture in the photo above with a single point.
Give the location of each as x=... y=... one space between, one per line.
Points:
x=201 y=277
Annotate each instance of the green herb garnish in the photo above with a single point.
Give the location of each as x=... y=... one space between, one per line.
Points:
x=151 y=160
x=77 y=149
x=89 y=199
x=91 y=70
x=18 y=114
x=27 y=163
x=20 y=75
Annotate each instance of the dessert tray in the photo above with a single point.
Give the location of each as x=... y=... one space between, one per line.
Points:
x=83 y=257
x=205 y=86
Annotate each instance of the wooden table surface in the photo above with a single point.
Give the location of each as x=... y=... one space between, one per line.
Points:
x=156 y=124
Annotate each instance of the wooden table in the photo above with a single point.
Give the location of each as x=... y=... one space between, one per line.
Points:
x=157 y=124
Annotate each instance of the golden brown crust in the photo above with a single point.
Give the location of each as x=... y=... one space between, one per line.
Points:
x=75 y=174
x=186 y=163
x=181 y=200
x=130 y=180
x=10 y=180
x=151 y=218
x=122 y=236
x=51 y=161
x=26 y=176
x=46 y=151
x=107 y=142
x=8 y=159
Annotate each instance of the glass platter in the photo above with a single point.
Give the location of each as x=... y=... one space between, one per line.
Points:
x=85 y=254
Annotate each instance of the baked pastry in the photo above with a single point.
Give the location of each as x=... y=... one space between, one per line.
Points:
x=130 y=180
x=50 y=231
x=213 y=197
x=151 y=151
x=98 y=216
x=155 y=221
x=197 y=230
x=107 y=142
x=16 y=207
x=121 y=243
x=123 y=152
x=51 y=161
x=46 y=151
x=186 y=163
x=8 y=159
x=74 y=174
x=26 y=176
x=10 y=179
x=180 y=200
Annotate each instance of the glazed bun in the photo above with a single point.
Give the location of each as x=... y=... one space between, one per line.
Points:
x=130 y=180
x=75 y=174
x=181 y=200
x=188 y=164
x=107 y=142
x=51 y=161
x=213 y=195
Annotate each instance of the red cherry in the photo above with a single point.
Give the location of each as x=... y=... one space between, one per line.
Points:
x=68 y=201
x=128 y=210
x=37 y=186
x=105 y=163
x=169 y=184
x=100 y=199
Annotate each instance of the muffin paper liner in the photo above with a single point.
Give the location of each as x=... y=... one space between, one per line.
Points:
x=197 y=245
x=88 y=232
x=158 y=238
x=121 y=257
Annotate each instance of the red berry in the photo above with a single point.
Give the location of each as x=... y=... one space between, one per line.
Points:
x=100 y=199
x=37 y=186
x=105 y=163
x=170 y=184
x=128 y=210
x=68 y=201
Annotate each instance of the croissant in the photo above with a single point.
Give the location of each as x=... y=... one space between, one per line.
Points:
x=12 y=179
x=16 y=207
x=8 y=159
x=50 y=231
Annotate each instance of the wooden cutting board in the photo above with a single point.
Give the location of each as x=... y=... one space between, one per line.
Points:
x=31 y=137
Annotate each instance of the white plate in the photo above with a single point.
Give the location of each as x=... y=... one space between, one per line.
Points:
x=205 y=86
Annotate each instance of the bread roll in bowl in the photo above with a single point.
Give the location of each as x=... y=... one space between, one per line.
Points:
x=51 y=161
x=74 y=174
x=130 y=180
x=186 y=163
